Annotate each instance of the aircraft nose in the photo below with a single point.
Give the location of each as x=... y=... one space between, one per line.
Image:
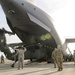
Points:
x=1 y=1
x=5 y=2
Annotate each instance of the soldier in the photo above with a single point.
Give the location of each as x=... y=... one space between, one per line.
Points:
x=20 y=53
x=59 y=58
x=54 y=57
x=15 y=57
x=2 y=59
x=74 y=57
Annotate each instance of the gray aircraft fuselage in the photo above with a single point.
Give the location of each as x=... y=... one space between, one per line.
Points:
x=33 y=26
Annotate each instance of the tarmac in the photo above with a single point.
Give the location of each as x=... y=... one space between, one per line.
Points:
x=36 y=68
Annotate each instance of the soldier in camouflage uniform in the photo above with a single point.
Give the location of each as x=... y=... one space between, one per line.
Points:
x=54 y=57
x=20 y=53
x=59 y=58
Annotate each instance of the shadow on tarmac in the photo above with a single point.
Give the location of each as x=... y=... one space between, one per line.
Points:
x=69 y=65
x=35 y=65
x=51 y=73
x=38 y=71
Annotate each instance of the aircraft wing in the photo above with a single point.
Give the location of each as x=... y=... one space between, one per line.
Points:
x=70 y=40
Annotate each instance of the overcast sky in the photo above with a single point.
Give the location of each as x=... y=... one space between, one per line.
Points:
x=61 y=11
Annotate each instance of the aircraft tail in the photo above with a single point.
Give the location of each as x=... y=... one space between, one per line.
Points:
x=70 y=40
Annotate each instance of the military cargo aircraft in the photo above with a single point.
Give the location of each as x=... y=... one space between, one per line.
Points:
x=34 y=27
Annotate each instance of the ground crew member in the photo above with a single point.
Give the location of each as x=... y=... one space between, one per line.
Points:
x=59 y=58
x=74 y=57
x=54 y=57
x=2 y=59
x=15 y=57
x=20 y=53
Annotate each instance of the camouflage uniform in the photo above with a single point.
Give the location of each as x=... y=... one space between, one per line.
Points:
x=20 y=53
x=54 y=57
x=59 y=58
